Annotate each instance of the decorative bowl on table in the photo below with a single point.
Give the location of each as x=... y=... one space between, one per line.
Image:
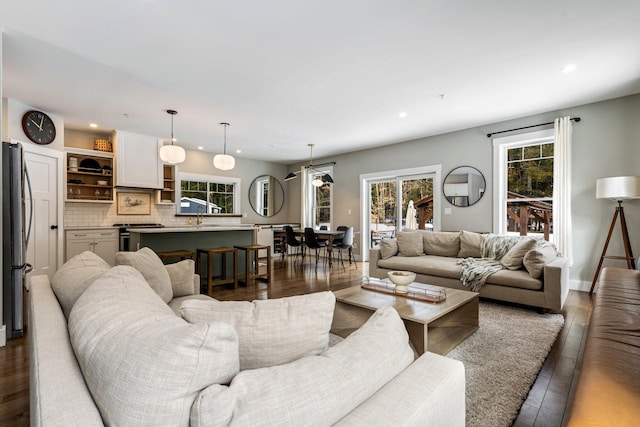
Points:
x=401 y=279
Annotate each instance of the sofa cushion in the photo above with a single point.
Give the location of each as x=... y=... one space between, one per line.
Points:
x=75 y=276
x=535 y=260
x=470 y=243
x=388 y=248
x=515 y=279
x=176 y=303
x=147 y=262
x=143 y=364
x=443 y=243
x=512 y=260
x=432 y=265
x=181 y=277
x=274 y=331
x=410 y=243
x=315 y=390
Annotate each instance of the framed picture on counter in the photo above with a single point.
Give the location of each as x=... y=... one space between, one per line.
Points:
x=131 y=203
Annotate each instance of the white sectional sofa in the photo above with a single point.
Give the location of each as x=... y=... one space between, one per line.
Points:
x=536 y=277
x=107 y=347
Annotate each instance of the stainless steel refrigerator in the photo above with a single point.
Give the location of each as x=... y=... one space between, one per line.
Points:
x=15 y=237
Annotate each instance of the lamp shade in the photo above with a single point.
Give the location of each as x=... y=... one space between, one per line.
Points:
x=618 y=188
x=224 y=162
x=172 y=154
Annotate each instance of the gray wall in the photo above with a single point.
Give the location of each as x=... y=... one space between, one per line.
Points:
x=605 y=143
x=246 y=169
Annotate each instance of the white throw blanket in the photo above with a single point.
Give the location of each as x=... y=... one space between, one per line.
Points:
x=493 y=247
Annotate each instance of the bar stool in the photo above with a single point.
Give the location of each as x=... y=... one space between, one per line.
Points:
x=181 y=254
x=251 y=270
x=221 y=279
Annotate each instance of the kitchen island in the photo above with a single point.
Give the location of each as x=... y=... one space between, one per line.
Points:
x=193 y=238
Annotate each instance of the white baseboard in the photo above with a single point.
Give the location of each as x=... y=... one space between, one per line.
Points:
x=3 y=336
x=579 y=285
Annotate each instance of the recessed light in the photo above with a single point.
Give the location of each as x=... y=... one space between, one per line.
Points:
x=93 y=125
x=402 y=114
x=239 y=151
x=568 y=68
x=200 y=147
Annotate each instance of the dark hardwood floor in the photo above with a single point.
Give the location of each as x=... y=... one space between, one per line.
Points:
x=546 y=404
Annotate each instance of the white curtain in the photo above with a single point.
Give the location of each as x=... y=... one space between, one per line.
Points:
x=562 y=190
x=307 y=198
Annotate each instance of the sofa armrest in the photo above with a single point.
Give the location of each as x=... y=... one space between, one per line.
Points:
x=556 y=283
x=58 y=393
x=374 y=256
x=430 y=391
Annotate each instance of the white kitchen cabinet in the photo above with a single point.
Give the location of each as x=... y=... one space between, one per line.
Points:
x=102 y=242
x=138 y=163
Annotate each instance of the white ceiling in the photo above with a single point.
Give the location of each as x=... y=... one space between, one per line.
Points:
x=335 y=73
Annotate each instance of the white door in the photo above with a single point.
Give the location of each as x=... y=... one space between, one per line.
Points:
x=45 y=242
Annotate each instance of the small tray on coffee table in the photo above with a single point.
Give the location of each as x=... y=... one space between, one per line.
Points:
x=415 y=291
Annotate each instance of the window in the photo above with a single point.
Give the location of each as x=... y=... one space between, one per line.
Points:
x=318 y=201
x=525 y=184
x=208 y=194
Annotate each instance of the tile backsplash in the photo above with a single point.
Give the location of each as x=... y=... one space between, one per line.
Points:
x=104 y=215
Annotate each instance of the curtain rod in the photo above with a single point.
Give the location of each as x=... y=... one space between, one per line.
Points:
x=489 y=135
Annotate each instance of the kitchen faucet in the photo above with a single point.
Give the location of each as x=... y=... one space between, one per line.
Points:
x=199 y=214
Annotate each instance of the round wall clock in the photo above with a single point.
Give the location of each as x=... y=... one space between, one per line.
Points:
x=38 y=127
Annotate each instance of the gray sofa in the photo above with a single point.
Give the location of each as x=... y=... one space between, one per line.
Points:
x=428 y=391
x=542 y=280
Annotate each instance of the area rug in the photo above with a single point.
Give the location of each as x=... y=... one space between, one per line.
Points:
x=502 y=360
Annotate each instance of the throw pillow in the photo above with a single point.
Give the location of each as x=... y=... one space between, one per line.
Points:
x=181 y=277
x=410 y=243
x=75 y=276
x=271 y=332
x=388 y=248
x=470 y=244
x=316 y=390
x=512 y=260
x=153 y=270
x=143 y=364
x=535 y=260
x=442 y=243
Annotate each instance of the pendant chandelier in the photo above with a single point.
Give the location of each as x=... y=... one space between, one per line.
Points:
x=319 y=180
x=224 y=161
x=172 y=154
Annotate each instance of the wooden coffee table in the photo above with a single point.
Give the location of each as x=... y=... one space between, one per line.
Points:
x=436 y=327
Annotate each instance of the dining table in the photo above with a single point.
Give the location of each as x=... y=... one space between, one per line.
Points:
x=328 y=235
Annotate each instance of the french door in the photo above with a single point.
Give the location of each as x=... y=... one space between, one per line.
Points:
x=387 y=196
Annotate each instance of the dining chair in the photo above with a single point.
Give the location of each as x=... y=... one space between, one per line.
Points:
x=290 y=240
x=338 y=240
x=346 y=243
x=312 y=242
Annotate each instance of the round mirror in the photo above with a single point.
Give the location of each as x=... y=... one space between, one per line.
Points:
x=464 y=186
x=266 y=195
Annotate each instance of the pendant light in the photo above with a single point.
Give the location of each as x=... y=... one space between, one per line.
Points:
x=172 y=154
x=319 y=180
x=224 y=161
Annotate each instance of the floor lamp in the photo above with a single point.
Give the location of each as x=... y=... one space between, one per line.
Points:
x=618 y=188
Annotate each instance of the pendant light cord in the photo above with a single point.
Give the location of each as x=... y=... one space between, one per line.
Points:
x=224 y=151
x=172 y=113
